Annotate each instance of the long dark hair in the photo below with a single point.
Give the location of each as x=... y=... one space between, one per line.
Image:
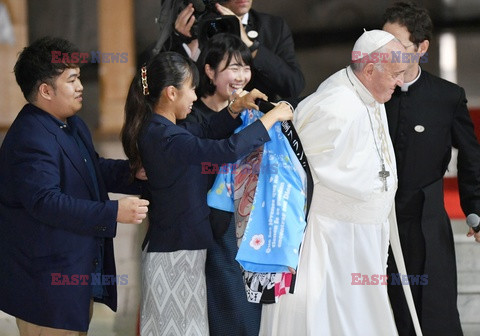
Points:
x=218 y=47
x=163 y=70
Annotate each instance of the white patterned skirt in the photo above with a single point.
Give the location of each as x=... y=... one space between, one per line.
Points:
x=174 y=299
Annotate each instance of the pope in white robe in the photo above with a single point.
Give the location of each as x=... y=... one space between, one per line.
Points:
x=341 y=287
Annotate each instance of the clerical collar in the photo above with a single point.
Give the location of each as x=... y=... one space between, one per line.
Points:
x=406 y=85
x=245 y=19
x=362 y=91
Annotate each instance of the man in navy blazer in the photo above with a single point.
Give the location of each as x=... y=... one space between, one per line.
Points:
x=56 y=221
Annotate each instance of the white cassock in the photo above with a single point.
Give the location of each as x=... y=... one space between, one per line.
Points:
x=348 y=227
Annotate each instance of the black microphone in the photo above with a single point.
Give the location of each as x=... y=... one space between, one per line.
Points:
x=473 y=220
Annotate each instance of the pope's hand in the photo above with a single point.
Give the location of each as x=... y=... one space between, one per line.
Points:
x=246 y=100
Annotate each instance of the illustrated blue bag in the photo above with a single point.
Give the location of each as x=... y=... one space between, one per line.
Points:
x=267 y=189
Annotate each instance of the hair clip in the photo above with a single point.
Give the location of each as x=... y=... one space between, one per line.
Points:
x=144 y=81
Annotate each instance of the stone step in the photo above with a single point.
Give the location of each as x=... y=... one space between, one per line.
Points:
x=469 y=282
x=468 y=274
x=468 y=307
x=471 y=329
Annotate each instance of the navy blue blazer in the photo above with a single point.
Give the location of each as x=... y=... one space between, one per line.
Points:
x=172 y=156
x=51 y=220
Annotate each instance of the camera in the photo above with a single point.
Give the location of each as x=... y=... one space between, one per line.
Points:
x=209 y=22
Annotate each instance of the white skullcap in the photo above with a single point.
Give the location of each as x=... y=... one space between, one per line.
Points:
x=370 y=41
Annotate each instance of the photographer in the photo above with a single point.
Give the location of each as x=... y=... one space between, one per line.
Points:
x=275 y=69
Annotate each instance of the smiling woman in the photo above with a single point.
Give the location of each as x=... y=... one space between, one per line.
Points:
x=225 y=67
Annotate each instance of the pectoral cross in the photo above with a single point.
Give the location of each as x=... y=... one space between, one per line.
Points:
x=383 y=175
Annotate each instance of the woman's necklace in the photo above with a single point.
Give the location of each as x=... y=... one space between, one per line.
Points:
x=383 y=173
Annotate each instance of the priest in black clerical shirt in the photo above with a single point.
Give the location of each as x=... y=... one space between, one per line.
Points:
x=427 y=116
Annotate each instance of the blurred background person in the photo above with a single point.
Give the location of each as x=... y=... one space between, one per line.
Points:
x=275 y=68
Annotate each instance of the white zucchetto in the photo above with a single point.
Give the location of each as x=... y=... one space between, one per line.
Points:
x=370 y=41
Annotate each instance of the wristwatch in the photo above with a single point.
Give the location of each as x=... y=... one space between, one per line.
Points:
x=229 y=107
x=254 y=46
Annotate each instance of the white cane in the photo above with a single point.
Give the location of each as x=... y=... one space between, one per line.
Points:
x=398 y=255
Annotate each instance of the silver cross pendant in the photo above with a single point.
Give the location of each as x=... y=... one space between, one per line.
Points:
x=383 y=175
